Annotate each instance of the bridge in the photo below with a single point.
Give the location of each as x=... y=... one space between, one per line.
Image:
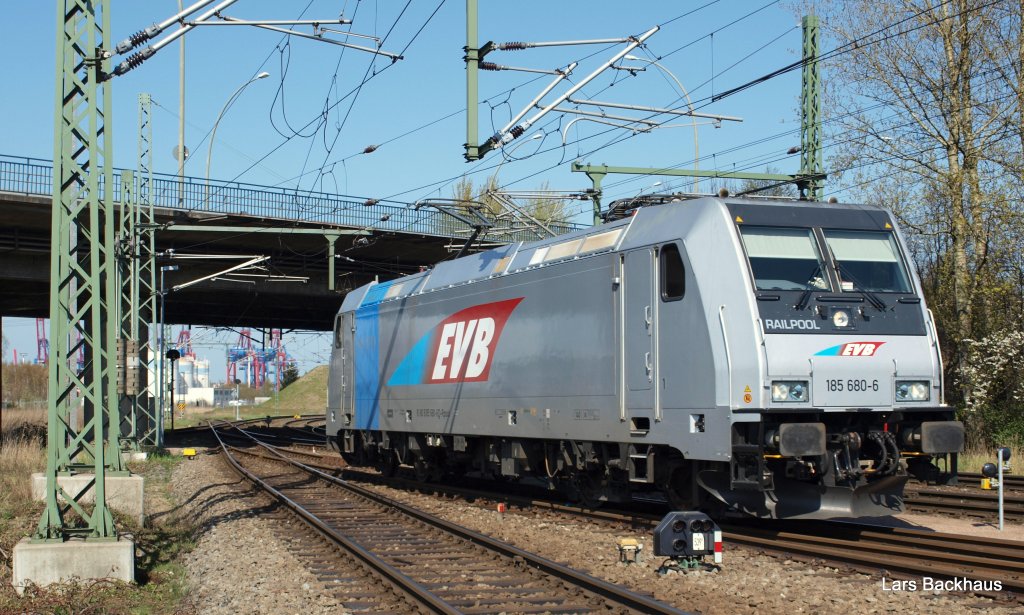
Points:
x=316 y=245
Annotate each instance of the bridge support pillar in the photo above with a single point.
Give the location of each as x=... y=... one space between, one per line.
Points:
x=43 y=563
x=332 y=238
x=123 y=493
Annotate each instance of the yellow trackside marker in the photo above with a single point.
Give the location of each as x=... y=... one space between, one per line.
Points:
x=188 y=453
x=739 y=220
x=887 y=225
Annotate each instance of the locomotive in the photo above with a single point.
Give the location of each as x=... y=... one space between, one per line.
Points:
x=773 y=358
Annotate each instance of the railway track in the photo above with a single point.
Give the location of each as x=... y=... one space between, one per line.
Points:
x=891 y=552
x=435 y=565
x=978 y=504
x=973 y=479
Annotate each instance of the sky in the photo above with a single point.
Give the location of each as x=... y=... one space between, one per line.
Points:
x=307 y=125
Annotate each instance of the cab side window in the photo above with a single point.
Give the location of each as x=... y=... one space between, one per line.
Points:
x=672 y=273
x=337 y=331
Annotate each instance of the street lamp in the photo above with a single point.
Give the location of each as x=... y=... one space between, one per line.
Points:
x=696 y=147
x=213 y=133
x=160 y=355
x=508 y=155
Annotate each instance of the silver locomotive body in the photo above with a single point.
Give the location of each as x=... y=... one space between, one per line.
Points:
x=776 y=358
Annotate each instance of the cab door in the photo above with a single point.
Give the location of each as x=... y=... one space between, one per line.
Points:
x=340 y=401
x=639 y=328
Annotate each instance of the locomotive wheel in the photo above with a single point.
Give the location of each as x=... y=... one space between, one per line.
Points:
x=426 y=470
x=389 y=463
x=585 y=489
x=357 y=457
x=679 y=486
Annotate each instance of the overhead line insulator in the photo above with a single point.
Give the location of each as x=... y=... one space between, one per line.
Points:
x=134 y=61
x=136 y=39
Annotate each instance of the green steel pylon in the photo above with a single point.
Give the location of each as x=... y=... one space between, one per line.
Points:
x=137 y=281
x=810 y=114
x=82 y=278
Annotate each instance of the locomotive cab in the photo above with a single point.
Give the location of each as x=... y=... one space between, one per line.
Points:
x=851 y=395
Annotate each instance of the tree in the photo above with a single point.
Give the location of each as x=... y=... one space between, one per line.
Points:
x=289 y=375
x=24 y=383
x=927 y=118
x=507 y=212
x=763 y=187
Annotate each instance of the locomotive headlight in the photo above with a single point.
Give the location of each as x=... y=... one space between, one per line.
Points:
x=841 y=318
x=780 y=391
x=912 y=390
x=789 y=390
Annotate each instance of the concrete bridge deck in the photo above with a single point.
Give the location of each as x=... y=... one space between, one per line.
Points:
x=229 y=218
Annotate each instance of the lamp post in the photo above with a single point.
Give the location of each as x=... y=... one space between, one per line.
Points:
x=213 y=133
x=173 y=355
x=160 y=355
x=508 y=154
x=686 y=95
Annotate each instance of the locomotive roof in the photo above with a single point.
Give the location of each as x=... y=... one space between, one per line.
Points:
x=600 y=239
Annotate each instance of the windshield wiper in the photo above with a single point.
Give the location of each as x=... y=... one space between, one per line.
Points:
x=804 y=300
x=870 y=296
x=806 y=296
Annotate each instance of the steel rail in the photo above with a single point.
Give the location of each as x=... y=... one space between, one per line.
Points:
x=867 y=548
x=392 y=575
x=867 y=556
x=1011 y=482
x=977 y=505
x=902 y=551
x=595 y=586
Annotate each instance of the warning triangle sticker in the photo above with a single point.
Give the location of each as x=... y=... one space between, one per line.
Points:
x=746 y=389
x=739 y=220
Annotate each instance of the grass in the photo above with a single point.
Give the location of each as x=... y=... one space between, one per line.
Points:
x=199 y=417
x=307 y=395
x=974 y=457
x=162 y=585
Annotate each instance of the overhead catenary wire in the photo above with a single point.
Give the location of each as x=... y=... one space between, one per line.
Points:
x=329 y=164
x=589 y=137
x=847 y=48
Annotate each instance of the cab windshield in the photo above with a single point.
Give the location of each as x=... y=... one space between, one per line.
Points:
x=868 y=261
x=784 y=258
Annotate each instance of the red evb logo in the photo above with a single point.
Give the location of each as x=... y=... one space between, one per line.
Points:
x=464 y=342
x=852 y=349
x=860 y=349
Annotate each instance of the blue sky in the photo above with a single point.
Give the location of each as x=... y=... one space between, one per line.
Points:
x=412 y=95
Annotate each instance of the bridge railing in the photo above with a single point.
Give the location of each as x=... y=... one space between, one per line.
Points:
x=24 y=175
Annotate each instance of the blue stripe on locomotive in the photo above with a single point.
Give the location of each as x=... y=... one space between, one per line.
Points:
x=413 y=367
x=367 y=359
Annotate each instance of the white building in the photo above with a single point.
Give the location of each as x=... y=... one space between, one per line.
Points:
x=208 y=396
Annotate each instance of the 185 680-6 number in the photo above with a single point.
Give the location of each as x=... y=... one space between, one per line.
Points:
x=851 y=384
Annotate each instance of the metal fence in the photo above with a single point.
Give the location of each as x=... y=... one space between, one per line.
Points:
x=35 y=176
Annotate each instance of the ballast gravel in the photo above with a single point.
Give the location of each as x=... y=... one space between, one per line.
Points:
x=748 y=582
x=241 y=563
